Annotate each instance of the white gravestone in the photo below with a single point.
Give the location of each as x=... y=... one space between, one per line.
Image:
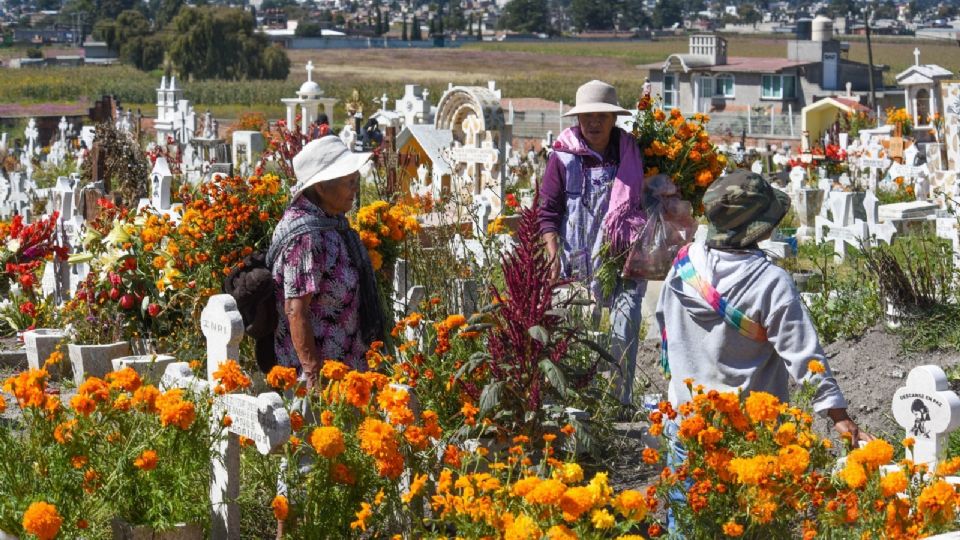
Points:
x=843 y=229
x=928 y=410
x=797 y=174
x=406 y=296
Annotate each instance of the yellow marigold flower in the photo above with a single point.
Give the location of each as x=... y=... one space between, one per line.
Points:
x=416 y=485
x=853 y=474
x=732 y=529
x=522 y=527
x=786 y=434
x=892 y=483
x=575 y=502
x=42 y=520
x=794 y=459
x=281 y=507
x=147 y=461
x=948 y=467
x=602 y=519
x=569 y=473
x=752 y=471
x=362 y=516
x=631 y=505
x=600 y=489
x=762 y=407
x=561 y=532
x=328 y=441
x=874 y=454
x=547 y=492
x=816 y=367
x=282 y=378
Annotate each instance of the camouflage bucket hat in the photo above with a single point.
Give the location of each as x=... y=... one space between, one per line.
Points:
x=742 y=208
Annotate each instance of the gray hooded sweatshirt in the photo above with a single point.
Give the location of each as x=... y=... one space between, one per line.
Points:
x=705 y=348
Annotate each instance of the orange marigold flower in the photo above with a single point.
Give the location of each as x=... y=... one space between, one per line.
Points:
x=574 y=502
x=691 y=426
x=547 y=492
x=378 y=439
x=892 y=483
x=94 y=388
x=631 y=504
x=63 y=433
x=794 y=459
x=650 y=456
x=42 y=520
x=732 y=529
x=816 y=367
x=340 y=473
x=568 y=430
x=853 y=474
x=355 y=388
x=147 y=461
x=326 y=419
x=145 y=398
x=938 y=498
x=280 y=507
x=561 y=532
x=83 y=404
x=282 y=378
x=174 y=410
x=124 y=379
x=469 y=411
x=762 y=407
x=230 y=377
x=328 y=441
x=522 y=527
x=79 y=462
x=416 y=486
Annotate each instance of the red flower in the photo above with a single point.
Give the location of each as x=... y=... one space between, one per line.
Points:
x=27 y=308
x=512 y=200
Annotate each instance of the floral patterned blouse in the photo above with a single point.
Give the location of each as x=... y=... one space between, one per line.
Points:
x=318 y=263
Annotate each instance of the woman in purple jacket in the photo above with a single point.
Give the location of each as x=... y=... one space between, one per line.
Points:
x=589 y=195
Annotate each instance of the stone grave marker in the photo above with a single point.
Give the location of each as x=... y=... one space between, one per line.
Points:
x=465 y=297
x=40 y=344
x=928 y=410
x=148 y=366
x=406 y=296
x=797 y=174
x=843 y=229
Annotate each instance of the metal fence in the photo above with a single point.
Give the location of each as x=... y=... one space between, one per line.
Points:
x=536 y=124
x=767 y=124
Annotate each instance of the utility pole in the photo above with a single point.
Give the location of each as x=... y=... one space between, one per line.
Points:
x=873 y=91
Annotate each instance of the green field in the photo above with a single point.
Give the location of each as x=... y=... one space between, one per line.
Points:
x=548 y=70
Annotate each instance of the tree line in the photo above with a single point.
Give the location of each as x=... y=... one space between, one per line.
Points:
x=195 y=42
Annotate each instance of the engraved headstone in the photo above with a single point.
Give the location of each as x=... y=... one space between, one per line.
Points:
x=928 y=410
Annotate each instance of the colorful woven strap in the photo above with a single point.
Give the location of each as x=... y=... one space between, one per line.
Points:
x=733 y=316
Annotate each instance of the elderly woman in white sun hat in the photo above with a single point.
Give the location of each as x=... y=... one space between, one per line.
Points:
x=326 y=290
x=590 y=193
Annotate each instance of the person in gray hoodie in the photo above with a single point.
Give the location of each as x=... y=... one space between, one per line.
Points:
x=732 y=320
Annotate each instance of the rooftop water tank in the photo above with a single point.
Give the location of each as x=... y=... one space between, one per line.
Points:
x=822 y=29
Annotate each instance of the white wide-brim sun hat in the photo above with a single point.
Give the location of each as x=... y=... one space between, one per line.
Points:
x=597 y=96
x=325 y=159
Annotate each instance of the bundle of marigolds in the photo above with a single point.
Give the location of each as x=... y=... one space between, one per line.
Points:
x=754 y=468
x=359 y=433
x=513 y=497
x=679 y=148
x=383 y=227
x=119 y=448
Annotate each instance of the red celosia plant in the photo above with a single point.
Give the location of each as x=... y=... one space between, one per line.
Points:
x=286 y=142
x=529 y=342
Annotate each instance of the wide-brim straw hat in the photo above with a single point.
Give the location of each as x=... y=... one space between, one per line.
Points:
x=325 y=159
x=742 y=208
x=597 y=96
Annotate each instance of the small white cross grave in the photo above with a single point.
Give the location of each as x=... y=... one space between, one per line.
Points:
x=263 y=418
x=406 y=296
x=31 y=133
x=797 y=174
x=928 y=410
x=844 y=228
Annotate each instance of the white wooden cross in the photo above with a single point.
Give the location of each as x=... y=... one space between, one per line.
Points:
x=31 y=133
x=844 y=228
x=406 y=296
x=263 y=418
x=928 y=410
